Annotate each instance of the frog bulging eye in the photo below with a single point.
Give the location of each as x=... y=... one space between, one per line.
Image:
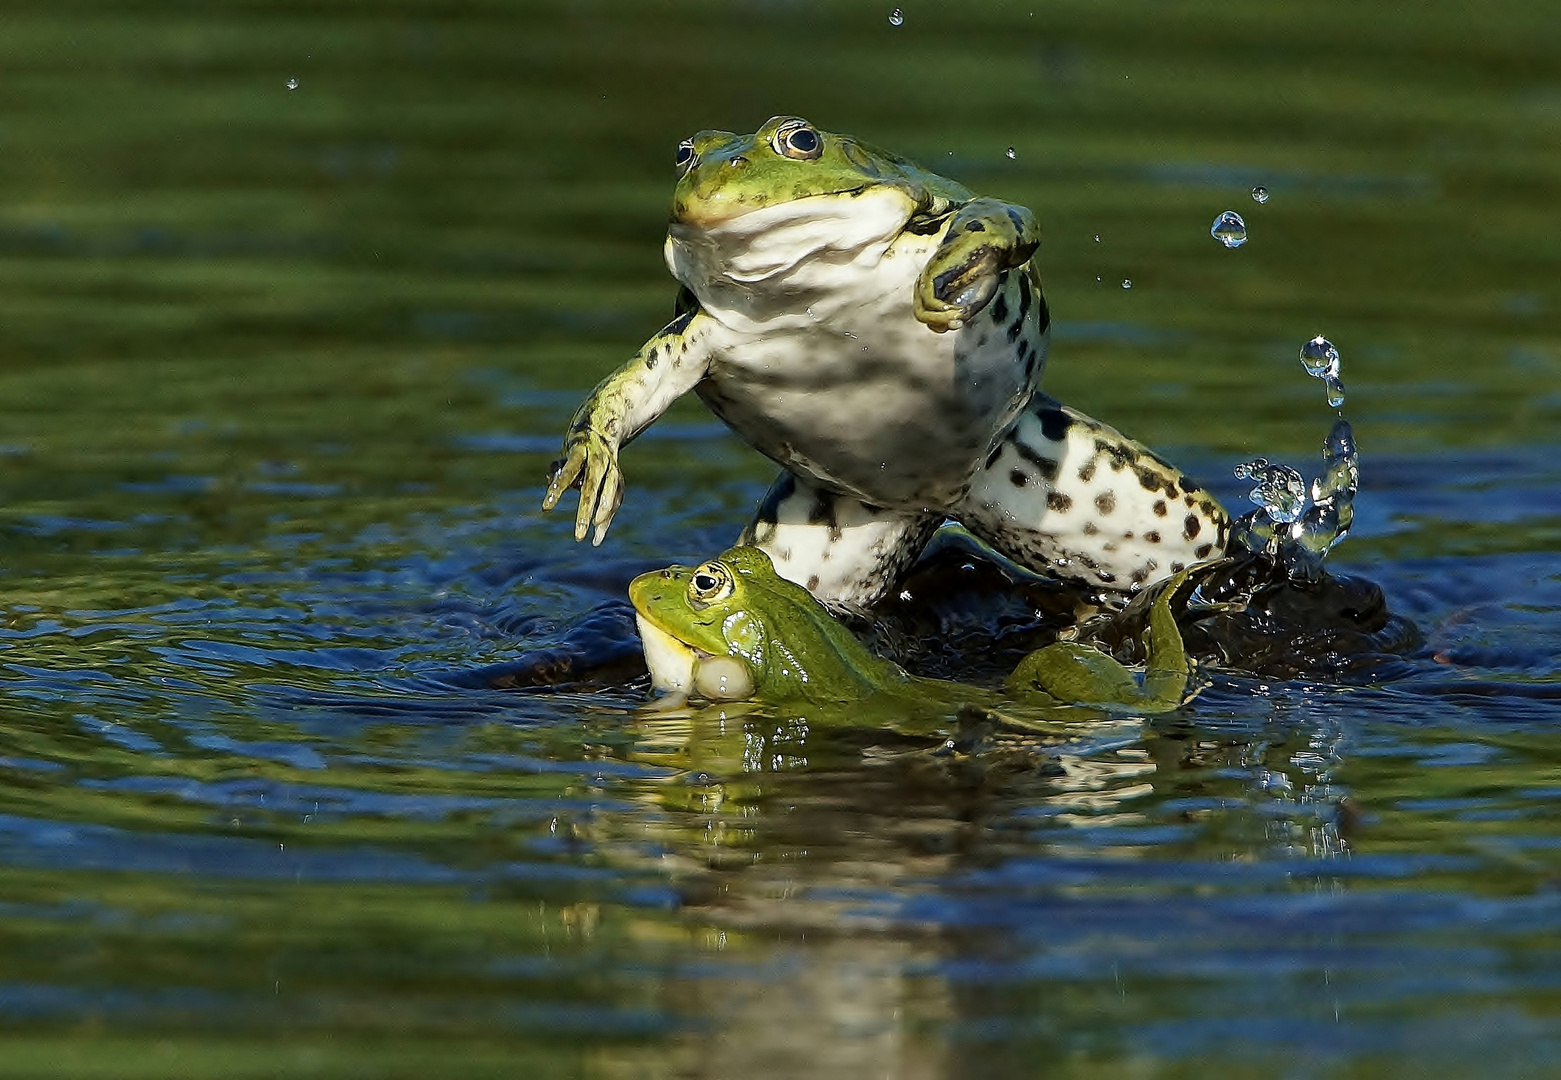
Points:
x=798 y=142
x=685 y=156
x=709 y=583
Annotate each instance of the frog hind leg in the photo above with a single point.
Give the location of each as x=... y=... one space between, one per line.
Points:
x=1063 y=494
x=1070 y=673
x=847 y=553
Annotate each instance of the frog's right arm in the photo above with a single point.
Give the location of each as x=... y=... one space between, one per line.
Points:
x=624 y=404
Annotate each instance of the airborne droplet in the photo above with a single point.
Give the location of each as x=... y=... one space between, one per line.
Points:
x=1260 y=194
x=1320 y=358
x=896 y=17
x=292 y=84
x=1127 y=283
x=1010 y=153
x=1229 y=229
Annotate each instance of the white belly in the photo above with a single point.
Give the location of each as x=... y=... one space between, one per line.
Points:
x=827 y=371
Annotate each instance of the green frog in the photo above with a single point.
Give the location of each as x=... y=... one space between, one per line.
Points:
x=879 y=331
x=733 y=629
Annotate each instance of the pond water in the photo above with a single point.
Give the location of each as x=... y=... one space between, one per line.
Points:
x=296 y=303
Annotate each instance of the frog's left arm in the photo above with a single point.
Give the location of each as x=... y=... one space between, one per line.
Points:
x=624 y=404
x=985 y=239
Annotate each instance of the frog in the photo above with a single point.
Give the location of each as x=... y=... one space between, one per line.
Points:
x=733 y=629
x=880 y=332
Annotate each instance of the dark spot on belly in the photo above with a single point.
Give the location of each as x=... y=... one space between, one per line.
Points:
x=783 y=488
x=1106 y=502
x=1187 y=485
x=1054 y=423
x=1105 y=576
x=1046 y=466
x=1159 y=508
x=1204 y=550
x=1000 y=305
x=1090 y=529
x=1191 y=526
x=1140 y=576
x=1147 y=480
x=1056 y=500
x=1018 y=477
x=1043 y=315
x=1178 y=567
x=650 y=358
x=1153 y=536
x=1087 y=471
x=1025 y=298
x=812 y=585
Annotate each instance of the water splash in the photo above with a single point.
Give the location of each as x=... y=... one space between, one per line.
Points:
x=1321 y=360
x=1277 y=489
x=1260 y=194
x=1229 y=229
x=1295 y=523
x=896 y=17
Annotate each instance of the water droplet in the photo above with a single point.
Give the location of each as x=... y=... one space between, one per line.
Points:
x=1229 y=229
x=1260 y=194
x=1097 y=238
x=292 y=84
x=1335 y=391
x=1010 y=153
x=1321 y=361
x=1127 y=283
x=896 y=17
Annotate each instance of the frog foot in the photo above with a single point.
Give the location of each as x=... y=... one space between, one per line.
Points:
x=590 y=463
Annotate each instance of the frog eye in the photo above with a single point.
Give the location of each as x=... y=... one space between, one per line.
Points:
x=798 y=141
x=711 y=582
x=685 y=157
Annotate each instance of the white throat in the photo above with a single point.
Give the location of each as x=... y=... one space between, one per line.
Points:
x=765 y=247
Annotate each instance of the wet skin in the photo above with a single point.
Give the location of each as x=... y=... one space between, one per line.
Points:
x=733 y=629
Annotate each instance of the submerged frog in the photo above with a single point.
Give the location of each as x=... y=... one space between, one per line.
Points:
x=879 y=331
x=733 y=629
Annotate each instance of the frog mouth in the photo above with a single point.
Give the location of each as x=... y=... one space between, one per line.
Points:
x=678 y=668
x=670 y=660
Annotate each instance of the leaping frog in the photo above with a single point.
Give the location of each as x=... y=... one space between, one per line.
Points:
x=879 y=331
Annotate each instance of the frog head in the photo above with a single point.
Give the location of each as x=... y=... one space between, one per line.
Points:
x=732 y=628
x=747 y=205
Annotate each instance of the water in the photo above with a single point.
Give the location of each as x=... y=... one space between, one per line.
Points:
x=1260 y=194
x=1229 y=229
x=1321 y=360
x=280 y=376
x=896 y=17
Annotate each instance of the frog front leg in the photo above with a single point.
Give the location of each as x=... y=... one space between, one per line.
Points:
x=1064 y=494
x=984 y=240
x=845 y=552
x=623 y=405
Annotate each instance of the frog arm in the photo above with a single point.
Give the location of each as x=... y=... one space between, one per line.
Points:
x=623 y=405
x=984 y=240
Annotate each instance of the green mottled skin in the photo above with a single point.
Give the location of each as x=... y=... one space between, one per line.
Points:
x=737 y=606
